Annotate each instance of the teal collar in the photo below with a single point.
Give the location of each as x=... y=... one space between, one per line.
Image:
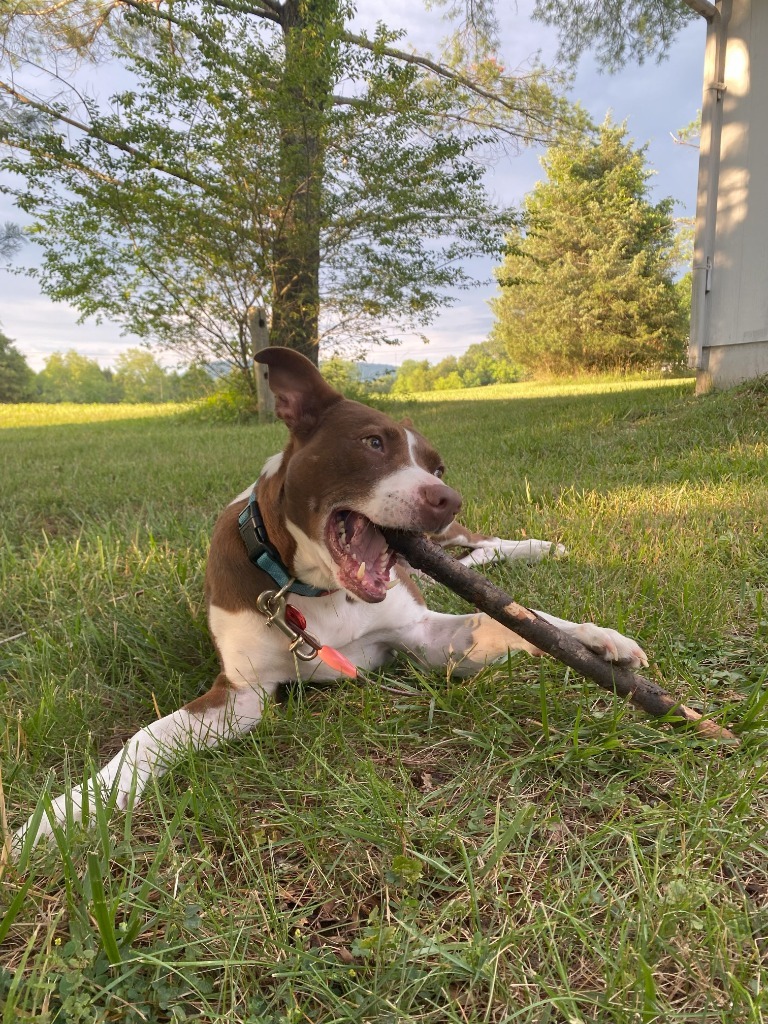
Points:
x=262 y=554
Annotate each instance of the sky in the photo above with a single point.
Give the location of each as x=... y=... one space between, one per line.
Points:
x=656 y=100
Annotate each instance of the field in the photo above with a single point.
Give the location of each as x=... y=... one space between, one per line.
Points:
x=520 y=847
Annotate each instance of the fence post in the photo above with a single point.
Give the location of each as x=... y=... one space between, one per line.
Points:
x=257 y=325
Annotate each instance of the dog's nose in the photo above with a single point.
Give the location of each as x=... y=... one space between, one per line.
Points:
x=441 y=500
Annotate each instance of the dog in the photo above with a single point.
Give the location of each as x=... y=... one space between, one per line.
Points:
x=301 y=583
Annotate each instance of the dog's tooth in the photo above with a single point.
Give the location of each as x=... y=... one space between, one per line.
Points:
x=392 y=583
x=361 y=571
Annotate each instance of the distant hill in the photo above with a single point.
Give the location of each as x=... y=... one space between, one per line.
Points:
x=368 y=371
x=218 y=368
x=372 y=371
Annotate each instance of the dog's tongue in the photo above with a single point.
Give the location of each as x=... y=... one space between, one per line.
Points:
x=363 y=538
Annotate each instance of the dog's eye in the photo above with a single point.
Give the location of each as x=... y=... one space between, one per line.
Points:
x=439 y=472
x=375 y=442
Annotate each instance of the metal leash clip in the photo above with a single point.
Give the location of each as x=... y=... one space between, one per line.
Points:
x=289 y=620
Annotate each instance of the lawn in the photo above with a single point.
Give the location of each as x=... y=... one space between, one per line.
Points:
x=519 y=847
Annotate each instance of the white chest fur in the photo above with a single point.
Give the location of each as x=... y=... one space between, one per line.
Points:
x=253 y=653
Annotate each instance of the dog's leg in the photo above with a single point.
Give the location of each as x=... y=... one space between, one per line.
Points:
x=223 y=712
x=466 y=643
x=496 y=549
x=492 y=549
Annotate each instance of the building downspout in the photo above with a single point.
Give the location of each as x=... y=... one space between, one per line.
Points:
x=718 y=16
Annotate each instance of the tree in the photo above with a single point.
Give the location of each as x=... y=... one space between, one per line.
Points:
x=267 y=155
x=16 y=378
x=413 y=375
x=445 y=375
x=621 y=30
x=70 y=377
x=139 y=377
x=194 y=382
x=485 y=363
x=343 y=375
x=11 y=239
x=588 y=282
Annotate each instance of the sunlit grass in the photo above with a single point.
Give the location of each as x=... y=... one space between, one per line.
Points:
x=547 y=389
x=39 y=414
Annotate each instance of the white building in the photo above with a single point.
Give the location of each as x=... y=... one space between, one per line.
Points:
x=729 y=324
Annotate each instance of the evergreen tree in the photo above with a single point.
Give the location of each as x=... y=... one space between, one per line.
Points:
x=588 y=280
x=16 y=378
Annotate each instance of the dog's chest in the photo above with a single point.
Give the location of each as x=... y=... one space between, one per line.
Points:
x=337 y=621
x=251 y=650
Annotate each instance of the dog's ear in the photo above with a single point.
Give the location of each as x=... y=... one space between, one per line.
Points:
x=301 y=394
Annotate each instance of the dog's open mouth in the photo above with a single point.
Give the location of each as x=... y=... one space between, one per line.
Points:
x=363 y=556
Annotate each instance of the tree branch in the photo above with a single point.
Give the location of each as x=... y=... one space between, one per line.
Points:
x=427 y=556
x=93 y=133
x=71 y=165
x=268 y=10
x=441 y=70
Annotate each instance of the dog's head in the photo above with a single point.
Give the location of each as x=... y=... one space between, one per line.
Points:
x=347 y=469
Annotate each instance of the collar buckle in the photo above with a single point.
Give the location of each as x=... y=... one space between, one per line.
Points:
x=253 y=531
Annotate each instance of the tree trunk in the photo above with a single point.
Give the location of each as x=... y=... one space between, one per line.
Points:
x=310 y=49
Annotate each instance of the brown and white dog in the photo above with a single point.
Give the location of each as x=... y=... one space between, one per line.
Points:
x=346 y=470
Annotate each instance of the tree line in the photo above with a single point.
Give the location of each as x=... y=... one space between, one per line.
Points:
x=137 y=376
x=482 y=364
x=72 y=377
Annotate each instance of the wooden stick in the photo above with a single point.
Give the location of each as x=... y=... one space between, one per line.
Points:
x=422 y=554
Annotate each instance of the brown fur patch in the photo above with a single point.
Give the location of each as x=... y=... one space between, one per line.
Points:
x=460 y=536
x=216 y=697
x=232 y=582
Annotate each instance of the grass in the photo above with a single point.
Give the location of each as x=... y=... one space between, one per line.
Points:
x=515 y=848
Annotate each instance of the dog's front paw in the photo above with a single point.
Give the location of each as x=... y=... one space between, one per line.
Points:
x=34 y=831
x=119 y=785
x=611 y=645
